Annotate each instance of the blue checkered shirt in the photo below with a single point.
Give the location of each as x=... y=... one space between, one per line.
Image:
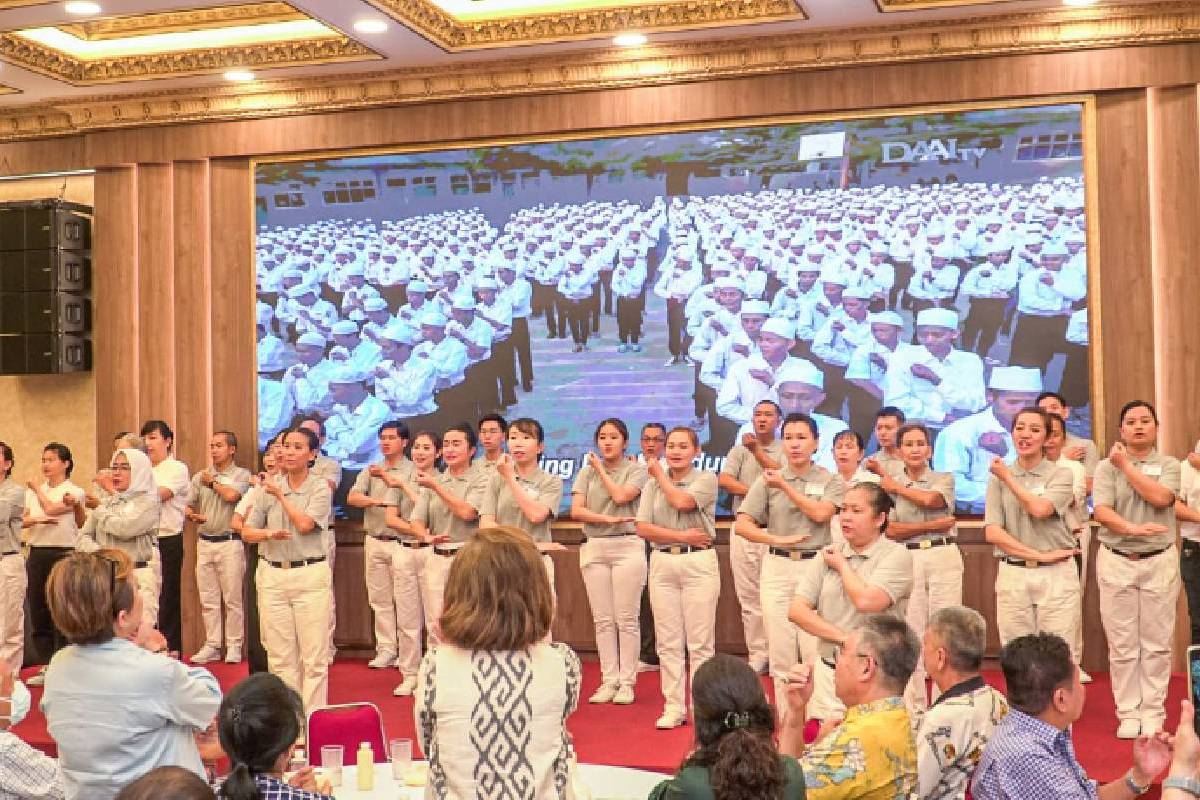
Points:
x=274 y=789
x=1027 y=759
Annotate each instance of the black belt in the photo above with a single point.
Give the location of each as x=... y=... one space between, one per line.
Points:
x=413 y=543
x=829 y=662
x=218 y=537
x=679 y=549
x=928 y=543
x=384 y=538
x=8 y=553
x=294 y=564
x=141 y=564
x=794 y=555
x=1028 y=564
x=445 y=551
x=610 y=536
x=1138 y=556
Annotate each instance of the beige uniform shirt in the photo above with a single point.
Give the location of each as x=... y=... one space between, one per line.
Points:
x=744 y=467
x=375 y=518
x=1091 y=454
x=885 y=564
x=701 y=485
x=1003 y=509
x=540 y=486
x=597 y=499
x=206 y=501
x=773 y=509
x=431 y=512
x=908 y=511
x=1111 y=488
x=12 y=509
x=313 y=498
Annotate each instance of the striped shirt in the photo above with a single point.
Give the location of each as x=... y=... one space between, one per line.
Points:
x=26 y=773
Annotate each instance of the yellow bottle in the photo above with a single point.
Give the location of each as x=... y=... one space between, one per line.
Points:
x=365 y=771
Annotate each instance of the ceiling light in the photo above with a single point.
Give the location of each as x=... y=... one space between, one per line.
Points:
x=239 y=75
x=82 y=7
x=630 y=40
x=1079 y=3
x=370 y=26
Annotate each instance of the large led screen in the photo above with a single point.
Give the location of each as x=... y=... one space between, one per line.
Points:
x=936 y=262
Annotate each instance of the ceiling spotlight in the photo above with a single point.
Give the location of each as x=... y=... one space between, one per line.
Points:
x=630 y=40
x=83 y=8
x=370 y=26
x=239 y=75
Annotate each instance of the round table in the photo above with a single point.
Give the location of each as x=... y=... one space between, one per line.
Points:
x=604 y=782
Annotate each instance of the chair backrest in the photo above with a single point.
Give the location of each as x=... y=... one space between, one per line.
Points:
x=349 y=725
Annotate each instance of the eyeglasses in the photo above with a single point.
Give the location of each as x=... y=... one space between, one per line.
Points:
x=839 y=651
x=120 y=468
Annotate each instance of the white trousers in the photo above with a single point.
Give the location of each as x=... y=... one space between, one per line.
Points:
x=381 y=590
x=329 y=541
x=220 y=568
x=683 y=595
x=149 y=582
x=1085 y=545
x=1137 y=606
x=294 y=611
x=1037 y=600
x=746 y=563
x=415 y=602
x=438 y=569
x=13 y=582
x=614 y=574
x=937 y=584
x=787 y=644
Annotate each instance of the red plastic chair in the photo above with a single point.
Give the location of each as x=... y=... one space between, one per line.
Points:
x=349 y=725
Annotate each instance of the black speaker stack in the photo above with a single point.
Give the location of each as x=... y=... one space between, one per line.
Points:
x=45 y=287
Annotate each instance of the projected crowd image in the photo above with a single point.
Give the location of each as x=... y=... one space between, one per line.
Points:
x=935 y=263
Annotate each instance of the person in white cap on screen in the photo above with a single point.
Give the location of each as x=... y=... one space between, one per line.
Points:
x=628 y=284
x=737 y=345
x=575 y=287
x=932 y=382
x=988 y=288
x=516 y=290
x=799 y=388
x=494 y=309
x=307 y=381
x=364 y=354
x=750 y=379
x=1045 y=299
x=935 y=279
x=836 y=340
x=868 y=367
x=414 y=306
x=677 y=284
x=357 y=415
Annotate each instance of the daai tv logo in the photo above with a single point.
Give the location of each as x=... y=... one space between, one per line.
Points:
x=939 y=150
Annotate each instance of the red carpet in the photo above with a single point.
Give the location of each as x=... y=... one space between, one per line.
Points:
x=625 y=735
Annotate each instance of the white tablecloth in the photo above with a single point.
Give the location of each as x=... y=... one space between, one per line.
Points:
x=604 y=782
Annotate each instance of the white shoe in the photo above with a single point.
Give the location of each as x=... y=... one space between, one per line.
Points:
x=624 y=696
x=604 y=694
x=382 y=661
x=1150 y=728
x=1129 y=729
x=644 y=667
x=671 y=719
x=1084 y=677
x=205 y=655
x=405 y=688
x=759 y=667
x=672 y=361
x=233 y=655
x=39 y=679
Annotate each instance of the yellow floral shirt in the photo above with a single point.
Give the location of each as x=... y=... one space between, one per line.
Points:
x=870 y=756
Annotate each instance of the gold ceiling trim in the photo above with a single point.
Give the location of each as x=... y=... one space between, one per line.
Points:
x=455 y=35
x=38 y=58
x=1037 y=32
x=4 y=90
x=182 y=21
x=7 y=4
x=922 y=5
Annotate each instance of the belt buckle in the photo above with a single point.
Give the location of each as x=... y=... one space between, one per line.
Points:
x=794 y=555
x=1032 y=563
x=676 y=550
x=925 y=544
x=285 y=565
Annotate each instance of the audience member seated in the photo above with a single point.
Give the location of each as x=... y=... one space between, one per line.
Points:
x=735 y=756
x=492 y=701
x=115 y=703
x=957 y=726
x=168 y=783
x=257 y=725
x=1030 y=755
x=25 y=773
x=870 y=755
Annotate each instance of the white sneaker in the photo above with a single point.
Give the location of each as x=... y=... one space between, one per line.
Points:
x=405 y=688
x=39 y=679
x=233 y=655
x=604 y=694
x=759 y=667
x=205 y=655
x=624 y=696
x=671 y=718
x=1084 y=677
x=382 y=661
x=1129 y=729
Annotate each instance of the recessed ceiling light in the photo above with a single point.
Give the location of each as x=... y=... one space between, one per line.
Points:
x=1079 y=3
x=630 y=40
x=82 y=7
x=370 y=26
x=239 y=75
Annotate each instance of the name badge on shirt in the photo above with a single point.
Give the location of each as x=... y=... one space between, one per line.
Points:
x=814 y=489
x=1153 y=470
x=530 y=491
x=1038 y=490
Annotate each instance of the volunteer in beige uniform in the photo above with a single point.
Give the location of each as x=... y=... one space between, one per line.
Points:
x=372 y=492
x=1025 y=519
x=412 y=560
x=848 y=450
x=127 y=519
x=887 y=423
x=746 y=461
x=54 y=510
x=789 y=511
x=172 y=479
x=1077 y=520
x=1137 y=568
x=923 y=521
x=520 y=493
x=220 y=555
x=331 y=471
x=613 y=559
x=676 y=515
x=866 y=574
x=447 y=511
x=294 y=580
x=13 y=580
x=272 y=464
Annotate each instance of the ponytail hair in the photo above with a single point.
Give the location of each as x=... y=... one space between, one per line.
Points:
x=258 y=721
x=735 y=726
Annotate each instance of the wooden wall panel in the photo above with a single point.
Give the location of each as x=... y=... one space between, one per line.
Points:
x=156 y=294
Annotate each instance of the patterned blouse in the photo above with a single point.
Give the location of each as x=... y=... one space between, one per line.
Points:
x=870 y=756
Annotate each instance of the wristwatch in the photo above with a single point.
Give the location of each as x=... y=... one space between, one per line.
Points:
x=1133 y=787
x=1189 y=785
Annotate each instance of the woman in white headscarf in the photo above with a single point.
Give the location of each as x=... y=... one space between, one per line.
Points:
x=127 y=520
